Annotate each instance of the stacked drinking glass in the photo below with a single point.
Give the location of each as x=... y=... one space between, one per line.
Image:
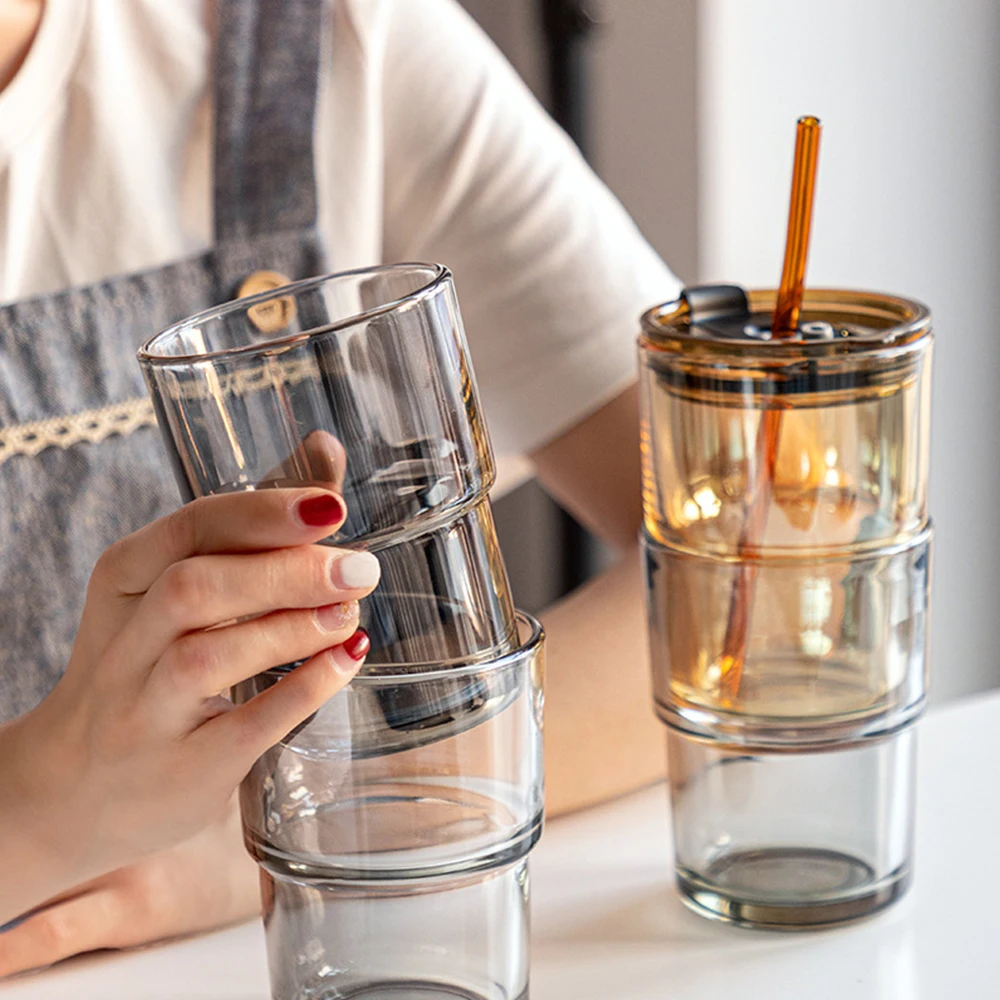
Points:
x=787 y=552
x=392 y=828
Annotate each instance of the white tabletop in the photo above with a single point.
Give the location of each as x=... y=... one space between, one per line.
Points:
x=607 y=922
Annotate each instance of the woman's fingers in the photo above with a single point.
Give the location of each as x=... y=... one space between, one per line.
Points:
x=320 y=460
x=83 y=923
x=249 y=730
x=252 y=521
x=205 y=882
x=326 y=458
x=201 y=664
x=203 y=591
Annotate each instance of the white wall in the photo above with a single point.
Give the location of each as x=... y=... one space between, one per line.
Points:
x=644 y=77
x=642 y=74
x=908 y=201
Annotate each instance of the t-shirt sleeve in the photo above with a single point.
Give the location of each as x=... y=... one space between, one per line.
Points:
x=551 y=272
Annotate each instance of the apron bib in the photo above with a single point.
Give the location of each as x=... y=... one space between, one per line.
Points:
x=81 y=461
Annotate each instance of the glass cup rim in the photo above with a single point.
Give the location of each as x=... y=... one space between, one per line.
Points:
x=910 y=332
x=788 y=555
x=389 y=673
x=147 y=355
x=401 y=674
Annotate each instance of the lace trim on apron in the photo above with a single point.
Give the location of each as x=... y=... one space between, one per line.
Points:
x=89 y=426
x=206 y=383
x=123 y=419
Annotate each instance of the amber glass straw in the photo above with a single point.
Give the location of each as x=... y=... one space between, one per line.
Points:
x=793 y=273
x=784 y=324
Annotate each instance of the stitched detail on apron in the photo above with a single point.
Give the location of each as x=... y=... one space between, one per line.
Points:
x=88 y=426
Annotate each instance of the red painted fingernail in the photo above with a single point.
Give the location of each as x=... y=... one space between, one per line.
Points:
x=358 y=645
x=321 y=511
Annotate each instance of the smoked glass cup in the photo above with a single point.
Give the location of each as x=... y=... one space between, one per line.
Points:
x=393 y=846
x=787 y=556
x=461 y=937
x=360 y=382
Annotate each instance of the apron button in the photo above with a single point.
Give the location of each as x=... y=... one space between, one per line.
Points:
x=272 y=316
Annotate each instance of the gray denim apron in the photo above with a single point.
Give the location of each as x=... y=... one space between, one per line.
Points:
x=81 y=462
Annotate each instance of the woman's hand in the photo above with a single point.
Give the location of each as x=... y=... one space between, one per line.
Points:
x=135 y=751
x=205 y=882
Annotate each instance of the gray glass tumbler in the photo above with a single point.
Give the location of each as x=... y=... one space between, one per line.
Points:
x=403 y=873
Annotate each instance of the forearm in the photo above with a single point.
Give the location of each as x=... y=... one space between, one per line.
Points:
x=601 y=737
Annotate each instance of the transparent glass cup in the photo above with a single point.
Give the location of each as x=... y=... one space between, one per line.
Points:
x=787 y=547
x=415 y=794
x=392 y=828
x=360 y=382
x=366 y=383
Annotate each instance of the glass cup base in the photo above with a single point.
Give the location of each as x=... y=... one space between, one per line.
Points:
x=786 y=839
x=409 y=989
x=830 y=888
x=463 y=938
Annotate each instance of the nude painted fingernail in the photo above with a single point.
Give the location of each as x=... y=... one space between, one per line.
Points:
x=337 y=617
x=358 y=571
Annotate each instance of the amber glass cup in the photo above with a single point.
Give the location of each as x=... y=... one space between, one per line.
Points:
x=787 y=583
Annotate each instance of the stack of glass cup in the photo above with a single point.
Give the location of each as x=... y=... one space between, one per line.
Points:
x=788 y=595
x=392 y=828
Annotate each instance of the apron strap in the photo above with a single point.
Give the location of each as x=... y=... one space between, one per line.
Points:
x=266 y=79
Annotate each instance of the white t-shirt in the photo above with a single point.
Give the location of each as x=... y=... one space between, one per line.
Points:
x=428 y=147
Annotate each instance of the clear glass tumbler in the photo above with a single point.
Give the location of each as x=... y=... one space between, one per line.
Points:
x=393 y=845
x=366 y=382
x=787 y=549
x=361 y=382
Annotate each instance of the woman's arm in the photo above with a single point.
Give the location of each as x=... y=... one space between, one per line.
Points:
x=602 y=738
